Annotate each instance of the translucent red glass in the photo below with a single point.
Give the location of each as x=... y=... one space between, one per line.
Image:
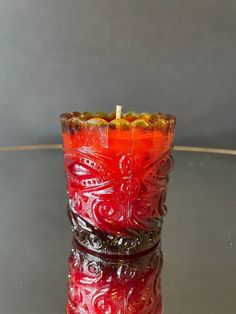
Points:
x=117 y=174
x=109 y=285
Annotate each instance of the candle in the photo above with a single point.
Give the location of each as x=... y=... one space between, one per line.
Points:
x=117 y=168
x=102 y=285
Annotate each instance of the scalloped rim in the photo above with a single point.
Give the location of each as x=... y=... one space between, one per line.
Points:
x=75 y=121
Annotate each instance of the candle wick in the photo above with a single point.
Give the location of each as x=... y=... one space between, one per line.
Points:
x=118 y=111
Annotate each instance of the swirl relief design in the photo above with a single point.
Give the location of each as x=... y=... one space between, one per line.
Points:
x=119 y=192
x=99 y=285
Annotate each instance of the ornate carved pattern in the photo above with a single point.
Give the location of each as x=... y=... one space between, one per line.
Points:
x=110 y=243
x=116 y=204
x=101 y=285
x=115 y=194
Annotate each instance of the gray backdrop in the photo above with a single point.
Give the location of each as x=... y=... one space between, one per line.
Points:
x=176 y=56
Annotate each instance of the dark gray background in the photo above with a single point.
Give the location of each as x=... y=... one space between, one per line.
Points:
x=176 y=56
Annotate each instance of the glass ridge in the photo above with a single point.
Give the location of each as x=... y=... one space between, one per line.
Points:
x=74 y=121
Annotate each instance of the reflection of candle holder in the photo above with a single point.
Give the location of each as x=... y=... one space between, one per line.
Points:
x=101 y=284
x=117 y=174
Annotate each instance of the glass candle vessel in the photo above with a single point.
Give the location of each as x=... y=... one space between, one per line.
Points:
x=110 y=285
x=117 y=174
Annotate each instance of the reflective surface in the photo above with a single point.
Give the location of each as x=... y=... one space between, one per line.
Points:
x=198 y=239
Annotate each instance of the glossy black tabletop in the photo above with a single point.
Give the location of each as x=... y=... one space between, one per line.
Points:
x=199 y=236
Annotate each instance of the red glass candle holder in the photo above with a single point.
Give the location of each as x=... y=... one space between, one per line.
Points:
x=108 y=285
x=117 y=174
